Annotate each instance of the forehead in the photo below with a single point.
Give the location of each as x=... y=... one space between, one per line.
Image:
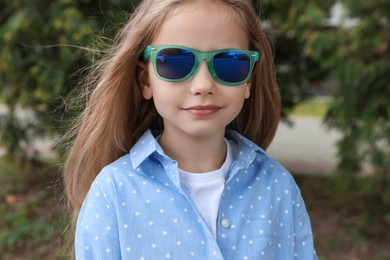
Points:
x=203 y=25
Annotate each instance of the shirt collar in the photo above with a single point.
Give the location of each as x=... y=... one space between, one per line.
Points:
x=147 y=145
x=144 y=148
x=246 y=149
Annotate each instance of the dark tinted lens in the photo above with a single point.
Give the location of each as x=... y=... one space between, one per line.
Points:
x=231 y=66
x=174 y=63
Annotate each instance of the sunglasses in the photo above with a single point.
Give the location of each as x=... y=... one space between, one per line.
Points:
x=173 y=63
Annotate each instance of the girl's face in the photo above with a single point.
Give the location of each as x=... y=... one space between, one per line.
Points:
x=199 y=106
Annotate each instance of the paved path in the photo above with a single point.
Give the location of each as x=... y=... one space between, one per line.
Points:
x=306 y=147
x=40 y=146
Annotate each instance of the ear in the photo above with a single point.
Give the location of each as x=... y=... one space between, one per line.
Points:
x=143 y=79
x=248 y=89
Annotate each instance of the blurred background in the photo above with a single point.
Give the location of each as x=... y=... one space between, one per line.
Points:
x=333 y=64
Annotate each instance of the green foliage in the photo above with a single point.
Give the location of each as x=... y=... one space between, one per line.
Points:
x=284 y=27
x=44 y=45
x=359 y=57
x=361 y=107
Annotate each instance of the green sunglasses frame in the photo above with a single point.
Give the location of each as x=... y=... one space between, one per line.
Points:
x=151 y=51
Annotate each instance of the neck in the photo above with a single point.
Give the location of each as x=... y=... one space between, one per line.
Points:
x=195 y=154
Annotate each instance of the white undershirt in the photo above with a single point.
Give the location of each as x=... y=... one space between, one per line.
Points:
x=206 y=189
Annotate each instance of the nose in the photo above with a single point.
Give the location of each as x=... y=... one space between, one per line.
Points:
x=202 y=83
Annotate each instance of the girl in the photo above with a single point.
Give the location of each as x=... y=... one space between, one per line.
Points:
x=168 y=159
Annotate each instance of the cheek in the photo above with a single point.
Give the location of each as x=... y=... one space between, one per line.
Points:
x=239 y=97
x=164 y=98
x=240 y=93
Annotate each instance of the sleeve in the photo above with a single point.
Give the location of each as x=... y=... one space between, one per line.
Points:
x=97 y=234
x=303 y=236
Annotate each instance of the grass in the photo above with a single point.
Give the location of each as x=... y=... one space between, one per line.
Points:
x=312 y=107
x=30 y=219
x=348 y=223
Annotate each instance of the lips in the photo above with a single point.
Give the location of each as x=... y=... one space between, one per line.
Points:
x=203 y=110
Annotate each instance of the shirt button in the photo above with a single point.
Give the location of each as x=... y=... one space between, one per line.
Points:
x=225 y=223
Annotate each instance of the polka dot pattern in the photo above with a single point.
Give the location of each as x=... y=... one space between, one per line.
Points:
x=136 y=209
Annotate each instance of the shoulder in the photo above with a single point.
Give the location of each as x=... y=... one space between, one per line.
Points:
x=114 y=176
x=247 y=151
x=116 y=170
x=258 y=160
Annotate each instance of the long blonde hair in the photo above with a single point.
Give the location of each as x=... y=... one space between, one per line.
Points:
x=116 y=114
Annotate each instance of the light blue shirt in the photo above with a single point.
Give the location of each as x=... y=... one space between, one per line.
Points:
x=137 y=209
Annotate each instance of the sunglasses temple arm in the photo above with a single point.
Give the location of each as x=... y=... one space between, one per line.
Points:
x=147 y=52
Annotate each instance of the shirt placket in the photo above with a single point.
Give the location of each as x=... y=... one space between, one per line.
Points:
x=228 y=219
x=171 y=169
